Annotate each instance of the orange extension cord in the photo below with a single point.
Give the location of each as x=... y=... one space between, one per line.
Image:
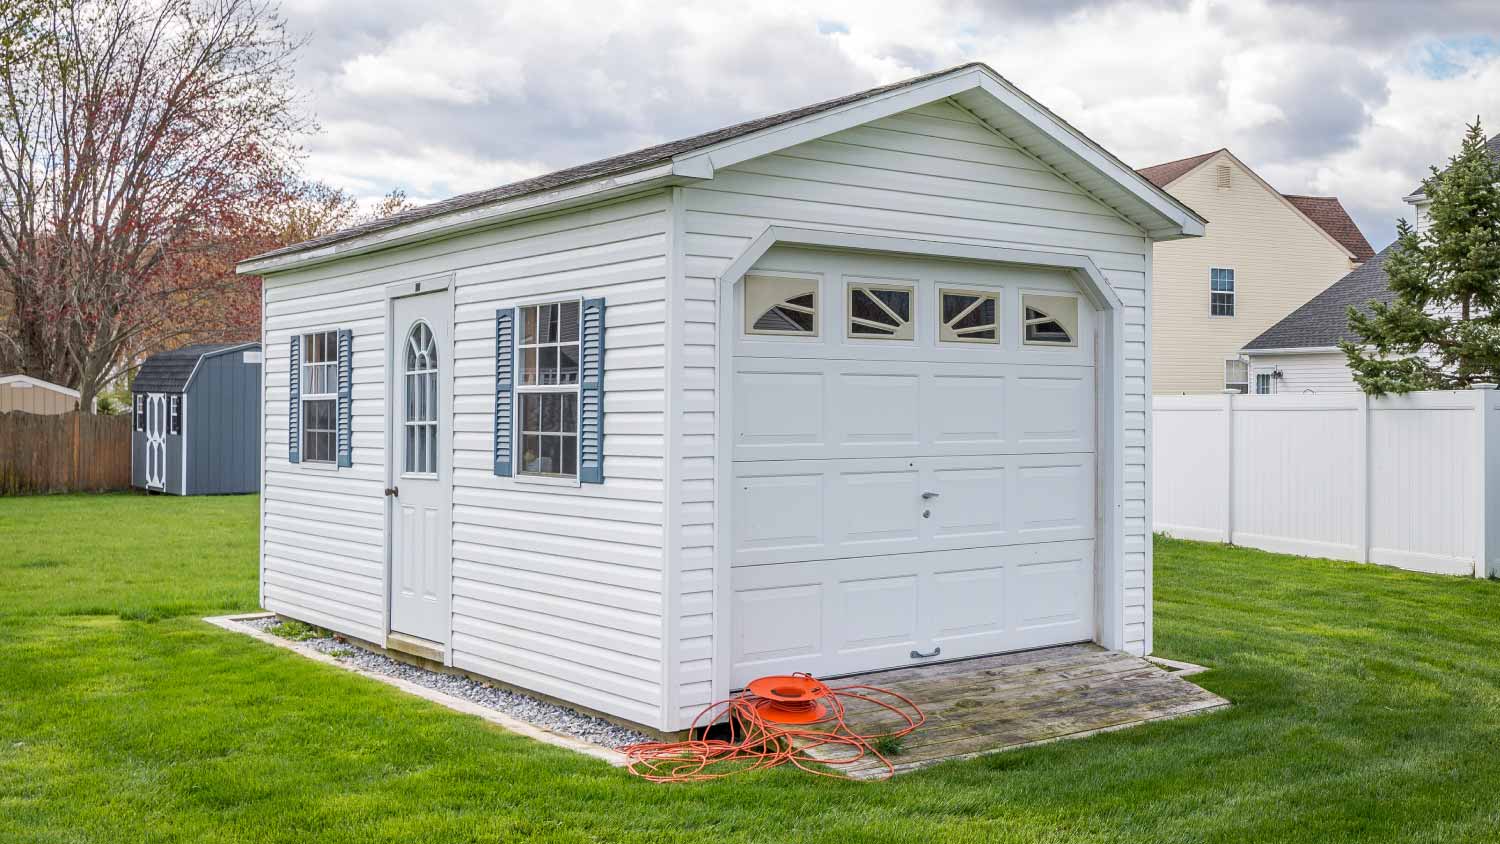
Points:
x=789 y=718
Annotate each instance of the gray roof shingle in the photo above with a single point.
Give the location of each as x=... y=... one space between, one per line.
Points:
x=168 y=372
x=1324 y=320
x=1492 y=146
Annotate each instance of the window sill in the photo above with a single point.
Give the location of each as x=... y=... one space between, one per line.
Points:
x=317 y=466
x=543 y=480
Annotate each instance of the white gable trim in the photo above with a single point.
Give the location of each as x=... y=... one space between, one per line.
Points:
x=1175 y=218
x=28 y=381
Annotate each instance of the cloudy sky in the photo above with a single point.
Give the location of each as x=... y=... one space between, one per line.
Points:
x=1346 y=97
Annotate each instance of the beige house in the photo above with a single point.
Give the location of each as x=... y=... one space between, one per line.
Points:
x=1265 y=254
x=33 y=395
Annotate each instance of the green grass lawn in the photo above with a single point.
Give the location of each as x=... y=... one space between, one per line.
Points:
x=1368 y=709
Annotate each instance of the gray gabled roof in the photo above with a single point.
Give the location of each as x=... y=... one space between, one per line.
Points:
x=1324 y=320
x=169 y=372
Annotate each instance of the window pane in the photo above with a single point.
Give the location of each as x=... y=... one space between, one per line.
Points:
x=569 y=412
x=567 y=365
x=568 y=331
x=528 y=331
x=531 y=453
x=863 y=306
x=983 y=314
x=551 y=455
x=569 y=455
x=546 y=324
x=551 y=412
x=546 y=364
x=531 y=412
x=410 y=461
x=528 y=367
x=432 y=397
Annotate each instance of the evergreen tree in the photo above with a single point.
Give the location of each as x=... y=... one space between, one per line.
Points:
x=1441 y=330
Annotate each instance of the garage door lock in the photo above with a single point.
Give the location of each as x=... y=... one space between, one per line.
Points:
x=920 y=655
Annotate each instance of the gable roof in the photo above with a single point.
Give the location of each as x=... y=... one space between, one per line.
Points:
x=1331 y=217
x=1165 y=174
x=39 y=384
x=1492 y=146
x=1324 y=320
x=170 y=372
x=1325 y=212
x=1170 y=212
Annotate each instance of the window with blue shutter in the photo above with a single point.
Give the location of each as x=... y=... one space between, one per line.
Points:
x=505 y=385
x=591 y=393
x=345 y=397
x=294 y=403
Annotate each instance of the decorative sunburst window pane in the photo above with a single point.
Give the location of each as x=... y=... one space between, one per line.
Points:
x=781 y=305
x=1049 y=320
x=969 y=316
x=880 y=311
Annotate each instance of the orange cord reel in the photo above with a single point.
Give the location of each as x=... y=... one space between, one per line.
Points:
x=780 y=719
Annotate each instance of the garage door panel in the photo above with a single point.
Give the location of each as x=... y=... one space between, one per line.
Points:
x=799 y=408
x=871 y=507
x=845 y=616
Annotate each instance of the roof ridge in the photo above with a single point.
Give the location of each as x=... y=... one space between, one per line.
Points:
x=1186 y=158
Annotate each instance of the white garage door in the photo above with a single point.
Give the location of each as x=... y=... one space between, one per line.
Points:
x=913 y=462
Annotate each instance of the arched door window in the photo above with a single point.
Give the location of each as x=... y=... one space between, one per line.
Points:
x=421 y=401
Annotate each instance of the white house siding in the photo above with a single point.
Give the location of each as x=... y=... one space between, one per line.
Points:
x=930 y=172
x=555 y=589
x=1312 y=372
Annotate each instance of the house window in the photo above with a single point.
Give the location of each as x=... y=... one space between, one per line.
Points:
x=968 y=316
x=548 y=390
x=781 y=305
x=320 y=384
x=1237 y=375
x=1220 y=292
x=1049 y=320
x=140 y=411
x=1262 y=383
x=174 y=415
x=880 y=311
x=421 y=401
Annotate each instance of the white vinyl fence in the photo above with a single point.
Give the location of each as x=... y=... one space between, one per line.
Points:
x=1410 y=481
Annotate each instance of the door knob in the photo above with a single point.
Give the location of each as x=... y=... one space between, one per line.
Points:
x=393 y=490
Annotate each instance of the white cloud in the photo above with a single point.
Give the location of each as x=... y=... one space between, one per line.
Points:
x=1318 y=97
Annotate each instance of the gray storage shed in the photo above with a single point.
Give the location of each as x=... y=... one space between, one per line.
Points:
x=196 y=414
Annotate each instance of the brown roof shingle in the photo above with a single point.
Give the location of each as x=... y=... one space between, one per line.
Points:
x=1331 y=217
x=1165 y=174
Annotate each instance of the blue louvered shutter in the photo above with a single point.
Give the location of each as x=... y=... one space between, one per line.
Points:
x=294 y=405
x=346 y=397
x=505 y=389
x=591 y=393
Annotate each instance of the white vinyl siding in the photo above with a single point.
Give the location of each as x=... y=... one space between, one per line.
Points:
x=1314 y=372
x=555 y=589
x=931 y=172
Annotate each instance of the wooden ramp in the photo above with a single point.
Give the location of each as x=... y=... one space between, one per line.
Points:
x=990 y=704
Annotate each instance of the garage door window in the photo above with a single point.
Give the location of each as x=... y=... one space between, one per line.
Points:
x=969 y=316
x=1050 y=320
x=880 y=311
x=781 y=305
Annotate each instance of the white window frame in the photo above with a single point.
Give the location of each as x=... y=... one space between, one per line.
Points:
x=945 y=334
x=138 y=408
x=1231 y=293
x=1269 y=382
x=518 y=417
x=304 y=381
x=1241 y=387
x=174 y=414
x=432 y=427
x=906 y=331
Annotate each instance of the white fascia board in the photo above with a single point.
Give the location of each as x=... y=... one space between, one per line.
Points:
x=1305 y=350
x=456 y=222
x=1178 y=219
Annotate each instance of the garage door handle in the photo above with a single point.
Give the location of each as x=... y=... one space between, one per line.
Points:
x=920 y=655
x=928 y=496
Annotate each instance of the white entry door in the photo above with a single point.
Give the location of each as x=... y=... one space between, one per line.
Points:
x=914 y=468
x=420 y=425
x=156 y=441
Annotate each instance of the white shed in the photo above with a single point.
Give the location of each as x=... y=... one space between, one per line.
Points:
x=861 y=385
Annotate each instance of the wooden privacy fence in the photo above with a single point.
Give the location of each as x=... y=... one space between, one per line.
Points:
x=1410 y=481
x=63 y=452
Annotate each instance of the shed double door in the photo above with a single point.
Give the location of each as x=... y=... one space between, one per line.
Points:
x=420 y=422
x=902 y=501
x=156 y=441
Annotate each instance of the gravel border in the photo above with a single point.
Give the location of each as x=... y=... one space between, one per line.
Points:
x=547 y=716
